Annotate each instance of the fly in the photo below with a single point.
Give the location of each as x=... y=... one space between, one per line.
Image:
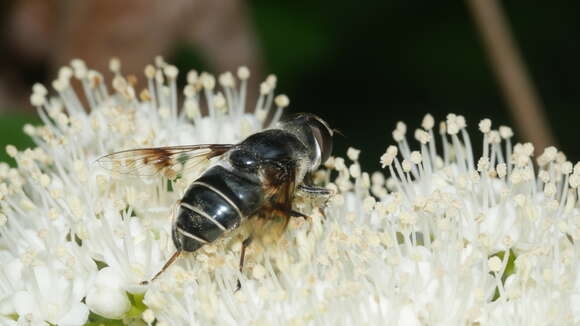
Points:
x=256 y=178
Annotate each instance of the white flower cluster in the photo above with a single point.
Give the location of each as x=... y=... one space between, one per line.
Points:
x=448 y=239
x=75 y=238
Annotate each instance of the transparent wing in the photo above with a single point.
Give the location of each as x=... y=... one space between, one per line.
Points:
x=165 y=161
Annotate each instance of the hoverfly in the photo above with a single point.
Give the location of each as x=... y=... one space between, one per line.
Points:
x=256 y=178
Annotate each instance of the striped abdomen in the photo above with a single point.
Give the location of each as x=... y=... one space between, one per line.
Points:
x=215 y=203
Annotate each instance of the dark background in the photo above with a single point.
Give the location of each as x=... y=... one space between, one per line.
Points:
x=364 y=65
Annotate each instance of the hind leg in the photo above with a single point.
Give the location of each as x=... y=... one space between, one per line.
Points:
x=245 y=245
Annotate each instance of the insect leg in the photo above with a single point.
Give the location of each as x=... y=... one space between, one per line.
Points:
x=314 y=191
x=282 y=212
x=245 y=244
x=167 y=264
x=294 y=213
x=174 y=256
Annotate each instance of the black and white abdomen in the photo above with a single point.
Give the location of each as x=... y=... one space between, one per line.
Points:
x=215 y=203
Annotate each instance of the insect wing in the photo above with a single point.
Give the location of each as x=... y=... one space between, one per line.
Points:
x=161 y=160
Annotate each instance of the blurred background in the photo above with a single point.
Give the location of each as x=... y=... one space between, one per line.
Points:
x=362 y=66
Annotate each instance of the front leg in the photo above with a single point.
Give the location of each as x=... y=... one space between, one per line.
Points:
x=319 y=194
x=314 y=191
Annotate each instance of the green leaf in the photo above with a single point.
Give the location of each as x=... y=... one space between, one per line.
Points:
x=137 y=305
x=96 y=320
x=131 y=317
x=509 y=269
x=11 y=134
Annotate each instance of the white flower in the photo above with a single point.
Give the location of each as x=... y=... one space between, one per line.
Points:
x=51 y=297
x=106 y=296
x=448 y=239
x=61 y=216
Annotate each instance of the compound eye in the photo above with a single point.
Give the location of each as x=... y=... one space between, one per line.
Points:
x=323 y=136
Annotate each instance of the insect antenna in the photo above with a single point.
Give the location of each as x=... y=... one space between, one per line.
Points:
x=167 y=264
x=336 y=131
